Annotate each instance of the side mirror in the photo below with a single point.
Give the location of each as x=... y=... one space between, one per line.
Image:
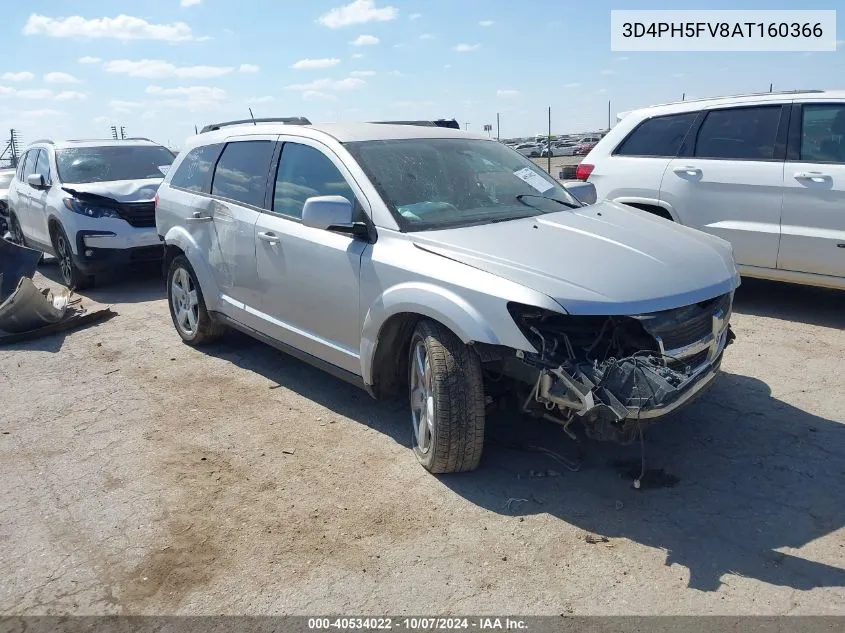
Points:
x=37 y=181
x=328 y=212
x=583 y=191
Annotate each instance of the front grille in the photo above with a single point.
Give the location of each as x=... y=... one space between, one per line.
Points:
x=688 y=332
x=689 y=364
x=141 y=215
x=684 y=326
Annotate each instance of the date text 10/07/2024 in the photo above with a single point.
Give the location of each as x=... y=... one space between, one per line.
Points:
x=417 y=624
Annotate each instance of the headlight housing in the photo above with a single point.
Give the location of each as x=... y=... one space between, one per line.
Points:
x=90 y=210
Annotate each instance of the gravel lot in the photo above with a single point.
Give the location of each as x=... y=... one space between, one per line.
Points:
x=143 y=476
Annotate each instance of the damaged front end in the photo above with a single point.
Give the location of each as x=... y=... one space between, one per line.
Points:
x=617 y=374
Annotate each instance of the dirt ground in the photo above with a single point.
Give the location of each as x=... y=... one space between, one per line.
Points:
x=141 y=476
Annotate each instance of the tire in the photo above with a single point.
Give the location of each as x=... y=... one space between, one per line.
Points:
x=16 y=231
x=72 y=277
x=190 y=317
x=446 y=393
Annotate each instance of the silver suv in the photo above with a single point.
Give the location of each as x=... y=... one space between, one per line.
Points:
x=446 y=266
x=89 y=203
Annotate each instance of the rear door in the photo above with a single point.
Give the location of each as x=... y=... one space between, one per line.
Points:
x=813 y=221
x=730 y=181
x=38 y=199
x=238 y=195
x=309 y=278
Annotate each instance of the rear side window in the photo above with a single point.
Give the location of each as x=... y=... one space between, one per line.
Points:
x=305 y=172
x=193 y=172
x=660 y=136
x=739 y=133
x=241 y=172
x=823 y=133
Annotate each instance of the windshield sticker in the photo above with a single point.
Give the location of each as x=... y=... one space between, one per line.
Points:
x=164 y=169
x=534 y=179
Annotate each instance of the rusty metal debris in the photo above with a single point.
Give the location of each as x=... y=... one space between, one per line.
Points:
x=27 y=312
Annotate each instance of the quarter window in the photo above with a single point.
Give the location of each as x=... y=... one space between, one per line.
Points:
x=42 y=166
x=305 y=172
x=660 y=136
x=739 y=133
x=241 y=172
x=192 y=173
x=823 y=133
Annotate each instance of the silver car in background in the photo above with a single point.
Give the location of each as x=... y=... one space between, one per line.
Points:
x=445 y=267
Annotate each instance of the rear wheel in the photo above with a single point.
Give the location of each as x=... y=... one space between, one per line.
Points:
x=15 y=231
x=187 y=306
x=446 y=393
x=72 y=276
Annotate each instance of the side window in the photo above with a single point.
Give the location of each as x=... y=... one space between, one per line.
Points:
x=29 y=165
x=193 y=171
x=660 y=136
x=823 y=132
x=42 y=165
x=739 y=133
x=241 y=172
x=305 y=172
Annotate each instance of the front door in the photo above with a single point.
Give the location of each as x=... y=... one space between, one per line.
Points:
x=38 y=200
x=731 y=185
x=238 y=190
x=813 y=222
x=309 y=278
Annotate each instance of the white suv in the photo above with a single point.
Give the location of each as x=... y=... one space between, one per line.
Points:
x=766 y=172
x=89 y=203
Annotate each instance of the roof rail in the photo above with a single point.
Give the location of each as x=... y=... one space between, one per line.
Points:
x=737 y=96
x=137 y=138
x=295 y=120
x=450 y=123
x=44 y=140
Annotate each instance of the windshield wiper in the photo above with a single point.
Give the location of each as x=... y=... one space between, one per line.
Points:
x=522 y=196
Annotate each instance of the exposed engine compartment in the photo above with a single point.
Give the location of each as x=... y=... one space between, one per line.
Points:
x=616 y=373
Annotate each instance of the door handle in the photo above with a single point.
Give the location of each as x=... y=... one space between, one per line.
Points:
x=815 y=176
x=269 y=237
x=198 y=217
x=689 y=170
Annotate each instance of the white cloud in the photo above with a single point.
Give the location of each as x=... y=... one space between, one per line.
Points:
x=149 y=115
x=189 y=3
x=395 y=73
x=124 y=106
x=415 y=16
x=101 y=120
x=264 y=99
x=40 y=93
x=574 y=84
x=486 y=23
x=362 y=73
x=413 y=104
x=357 y=12
x=42 y=113
x=357 y=55
x=316 y=95
x=248 y=68
x=89 y=60
x=467 y=48
x=507 y=93
x=123 y=27
x=602 y=91
x=157 y=69
x=365 y=40
x=426 y=36
x=608 y=71
x=188 y=97
x=71 y=95
x=447 y=66
x=60 y=78
x=321 y=85
x=21 y=76
x=312 y=64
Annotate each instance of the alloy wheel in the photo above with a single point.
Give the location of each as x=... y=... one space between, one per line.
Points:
x=65 y=258
x=422 y=399
x=183 y=299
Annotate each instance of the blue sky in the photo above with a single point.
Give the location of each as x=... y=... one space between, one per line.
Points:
x=72 y=68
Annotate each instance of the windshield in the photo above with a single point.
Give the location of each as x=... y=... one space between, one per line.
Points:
x=442 y=183
x=101 y=164
x=6 y=179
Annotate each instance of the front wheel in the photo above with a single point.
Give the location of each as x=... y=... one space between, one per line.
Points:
x=15 y=231
x=187 y=306
x=446 y=392
x=72 y=277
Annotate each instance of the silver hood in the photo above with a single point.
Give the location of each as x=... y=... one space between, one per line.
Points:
x=604 y=258
x=120 y=190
